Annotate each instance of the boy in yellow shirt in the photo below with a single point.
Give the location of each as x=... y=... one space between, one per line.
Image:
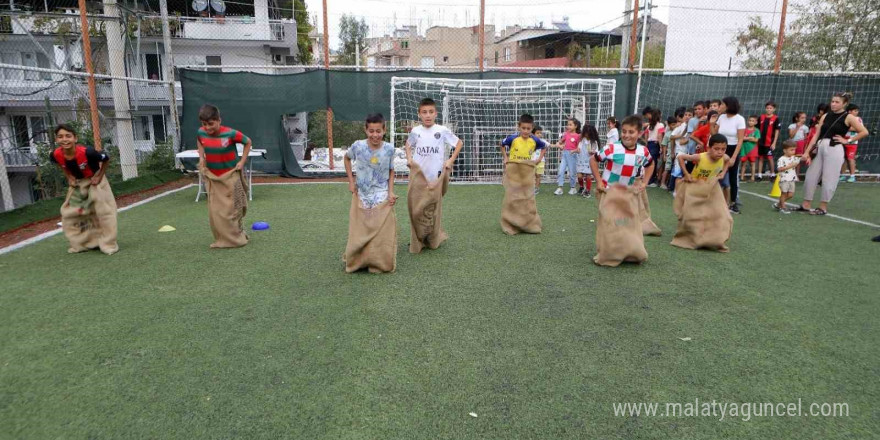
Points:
x=524 y=144
x=709 y=165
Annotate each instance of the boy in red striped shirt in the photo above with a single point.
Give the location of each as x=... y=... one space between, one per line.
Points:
x=217 y=150
x=221 y=167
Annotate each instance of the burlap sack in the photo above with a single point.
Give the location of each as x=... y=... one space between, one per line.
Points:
x=88 y=217
x=648 y=225
x=426 y=210
x=227 y=206
x=619 y=230
x=704 y=221
x=372 y=238
x=519 y=212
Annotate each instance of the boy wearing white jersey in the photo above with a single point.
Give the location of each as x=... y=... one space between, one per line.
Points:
x=427 y=143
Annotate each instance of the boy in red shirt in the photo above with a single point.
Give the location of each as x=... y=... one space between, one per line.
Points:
x=768 y=125
x=222 y=170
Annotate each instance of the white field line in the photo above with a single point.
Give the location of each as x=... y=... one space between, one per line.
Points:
x=54 y=232
x=839 y=217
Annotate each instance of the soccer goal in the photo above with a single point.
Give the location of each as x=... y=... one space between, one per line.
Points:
x=483 y=112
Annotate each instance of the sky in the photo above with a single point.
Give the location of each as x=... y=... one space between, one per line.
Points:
x=383 y=15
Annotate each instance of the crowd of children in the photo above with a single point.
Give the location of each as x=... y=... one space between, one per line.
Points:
x=703 y=143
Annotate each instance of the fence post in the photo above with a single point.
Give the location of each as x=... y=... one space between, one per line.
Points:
x=482 y=32
x=121 y=103
x=327 y=84
x=642 y=54
x=633 y=37
x=87 y=58
x=169 y=75
x=778 y=63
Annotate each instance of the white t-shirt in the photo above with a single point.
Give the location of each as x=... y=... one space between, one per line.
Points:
x=728 y=126
x=800 y=134
x=680 y=131
x=656 y=134
x=612 y=136
x=429 y=148
x=789 y=175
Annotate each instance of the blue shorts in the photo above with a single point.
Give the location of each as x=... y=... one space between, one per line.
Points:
x=725 y=181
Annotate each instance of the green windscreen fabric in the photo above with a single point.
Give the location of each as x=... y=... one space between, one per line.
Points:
x=255 y=103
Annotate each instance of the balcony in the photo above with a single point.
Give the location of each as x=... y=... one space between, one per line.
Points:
x=214 y=28
x=17 y=93
x=19 y=160
x=196 y=28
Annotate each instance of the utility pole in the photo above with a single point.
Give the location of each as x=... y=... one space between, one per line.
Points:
x=87 y=58
x=327 y=76
x=778 y=63
x=633 y=36
x=482 y=32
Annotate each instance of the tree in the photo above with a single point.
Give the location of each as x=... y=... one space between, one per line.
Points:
x=352 y=32
x=655 y=55
x=832 y=35
x=297 y=10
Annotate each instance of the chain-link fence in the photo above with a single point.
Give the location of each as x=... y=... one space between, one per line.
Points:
x=731 y=45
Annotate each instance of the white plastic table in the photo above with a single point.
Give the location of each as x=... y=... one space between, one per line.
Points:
x=194 y=154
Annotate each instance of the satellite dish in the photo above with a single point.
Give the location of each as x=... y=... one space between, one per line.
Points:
x=219 y=6
x=199 y=5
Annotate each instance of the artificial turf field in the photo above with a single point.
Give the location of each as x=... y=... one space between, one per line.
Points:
x=169 y=339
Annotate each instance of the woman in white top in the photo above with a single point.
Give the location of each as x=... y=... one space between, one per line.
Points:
x=733 y=126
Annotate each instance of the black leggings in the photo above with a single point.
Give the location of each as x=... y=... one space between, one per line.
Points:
x=733 y=174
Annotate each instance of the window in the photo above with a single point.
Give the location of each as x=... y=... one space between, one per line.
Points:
x=549 y=52
x=9 y=58
x=38 y=129
x=445 y=59
x=153 y=64
x=159 y=128
x=404 y=44
x=427 y=62
x=506 y=54
x=214 y=60
x=141 y=128
x=387 y=45
x=20 y=132
x=496 y=57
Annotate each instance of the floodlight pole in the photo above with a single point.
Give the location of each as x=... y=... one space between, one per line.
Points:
x=482 y=32
x=87 y=58
x=327 y=76
x=778 y=63
x=641 y=56
x=633 y=36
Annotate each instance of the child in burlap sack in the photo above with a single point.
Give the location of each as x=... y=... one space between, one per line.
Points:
x=703 y=220
x=224 y=177
x=519 y=213
x=372 y=225
x=627 y=166
x=88 y=215
x=430 y=170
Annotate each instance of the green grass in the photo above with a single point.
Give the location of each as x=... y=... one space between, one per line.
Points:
x=169 y=339
x=46 y=209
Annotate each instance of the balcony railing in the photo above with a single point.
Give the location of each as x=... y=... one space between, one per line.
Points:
x=18 y=158
x=199 y=28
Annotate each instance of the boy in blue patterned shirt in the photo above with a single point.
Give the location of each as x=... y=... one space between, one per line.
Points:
x=374 y=161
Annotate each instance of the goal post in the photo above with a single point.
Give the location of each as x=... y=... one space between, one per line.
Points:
x=483 y=112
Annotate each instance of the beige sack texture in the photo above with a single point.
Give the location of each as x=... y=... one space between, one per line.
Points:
x=426 y=210
x=372 y=238
x=619 y=231
x=519 y=212
x=227 y=206
x=88 y=217
x=704 y=221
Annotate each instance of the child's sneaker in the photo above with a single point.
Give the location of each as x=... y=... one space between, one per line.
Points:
x=784 y=211
x=760 y=178
x=852 y=179
x=558 y=191
x=537 y=190
x=587 y=195
x=842 y=179
x=572 y=191
x=652 y=185
x=734 y=209
x=663 y=187
x=776 y=207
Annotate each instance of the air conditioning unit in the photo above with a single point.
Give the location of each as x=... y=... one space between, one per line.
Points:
x=277 y=58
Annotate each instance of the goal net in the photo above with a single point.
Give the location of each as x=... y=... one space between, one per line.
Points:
x=483 y=112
